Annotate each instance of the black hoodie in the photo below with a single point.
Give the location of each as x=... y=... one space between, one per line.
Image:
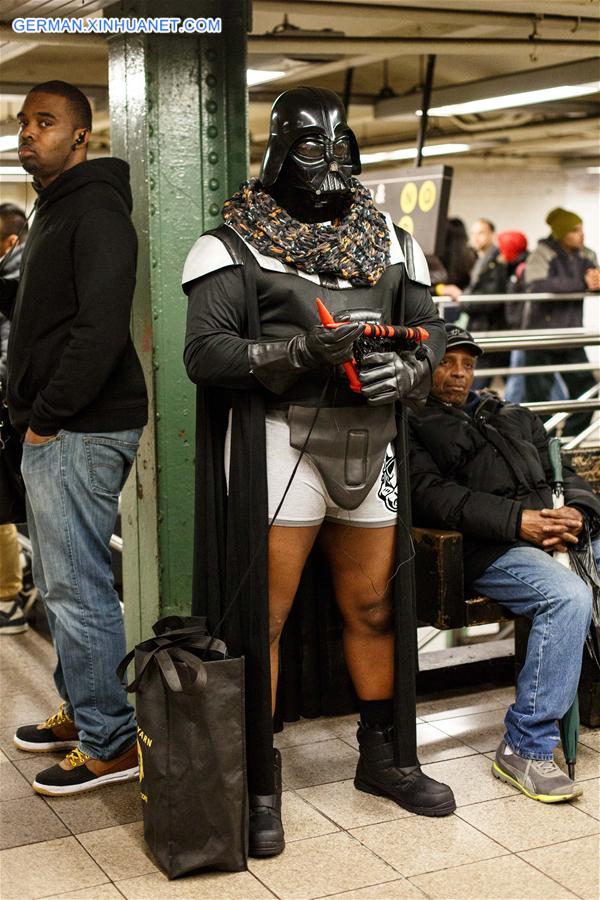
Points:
x=71 y=361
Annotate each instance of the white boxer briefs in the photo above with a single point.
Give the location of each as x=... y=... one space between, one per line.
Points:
x=308 y=501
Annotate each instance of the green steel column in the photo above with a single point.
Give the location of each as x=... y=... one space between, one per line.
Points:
x=178 y=107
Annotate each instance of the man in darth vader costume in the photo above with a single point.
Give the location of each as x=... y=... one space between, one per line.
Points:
x=271 y=385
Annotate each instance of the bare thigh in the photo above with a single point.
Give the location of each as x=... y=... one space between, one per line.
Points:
x=289 y=548
x=361 y=562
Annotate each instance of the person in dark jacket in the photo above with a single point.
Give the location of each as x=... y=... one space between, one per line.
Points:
x=560 y=264
x=489 y=275
x=13 y=231
x=76 y=392
x=481 y=466
x=450 y=272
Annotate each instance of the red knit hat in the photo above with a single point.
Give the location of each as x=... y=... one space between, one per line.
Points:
x=511 y=244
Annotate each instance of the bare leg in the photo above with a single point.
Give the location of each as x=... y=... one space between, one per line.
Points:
x=361 y=562
x=288 y=551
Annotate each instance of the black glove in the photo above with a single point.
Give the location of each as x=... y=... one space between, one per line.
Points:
x=387 y=377
x=278 y=364
x=325 y=345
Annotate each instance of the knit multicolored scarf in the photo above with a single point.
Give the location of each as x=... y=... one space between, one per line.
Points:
x=357 y=247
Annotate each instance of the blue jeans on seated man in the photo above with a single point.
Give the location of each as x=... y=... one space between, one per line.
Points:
x=531 y=583
x=73 y=484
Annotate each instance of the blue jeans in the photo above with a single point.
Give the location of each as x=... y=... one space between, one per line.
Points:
x=73 y=484
x=530 y=583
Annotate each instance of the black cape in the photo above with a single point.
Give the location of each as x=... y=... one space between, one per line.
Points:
x=231 y=538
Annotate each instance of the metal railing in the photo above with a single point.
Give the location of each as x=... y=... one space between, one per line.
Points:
x=471 y=299
x=573 y=443
x=513 y=340
x=563 y=408
x=539 y=370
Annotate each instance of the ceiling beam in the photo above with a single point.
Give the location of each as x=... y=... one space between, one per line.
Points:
x=51 y=8
x=55 y=40
x=579 y=72
x=401 y=12
x=541 y=7
x=10 y=51
x=96 y=92
x=509 y=135
x=307 y=45
x=376 y=46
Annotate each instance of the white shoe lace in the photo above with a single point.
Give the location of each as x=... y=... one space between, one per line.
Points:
x=547 y=767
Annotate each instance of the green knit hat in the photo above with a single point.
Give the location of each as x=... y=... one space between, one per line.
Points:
x=561 y=221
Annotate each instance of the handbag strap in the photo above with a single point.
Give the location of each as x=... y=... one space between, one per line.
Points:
x=176 y=646
x=146 y=658
x=172 y=674
x=180 y=624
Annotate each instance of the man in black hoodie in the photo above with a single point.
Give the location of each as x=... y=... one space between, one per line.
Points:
x=76 y=392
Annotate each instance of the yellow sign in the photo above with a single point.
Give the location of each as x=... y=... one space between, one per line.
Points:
x=408 y=197
x=427 y=196
x=407 y=223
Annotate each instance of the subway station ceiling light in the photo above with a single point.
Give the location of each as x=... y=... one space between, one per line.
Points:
x=528 y=88
x=410 y=152
x=510 y=101
x=261 y=76
x=8 y=142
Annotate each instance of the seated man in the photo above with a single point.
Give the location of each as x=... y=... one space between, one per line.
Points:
x=480 y=466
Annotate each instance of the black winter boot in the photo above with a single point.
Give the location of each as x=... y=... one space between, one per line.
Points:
x=409 y=788
x=266 y=831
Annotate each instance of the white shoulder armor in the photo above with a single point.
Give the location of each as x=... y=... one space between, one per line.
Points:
x=405 y=249
x=207 y=255
x=421 y=269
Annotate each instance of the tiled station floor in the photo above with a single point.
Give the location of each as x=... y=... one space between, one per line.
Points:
x=340 y=843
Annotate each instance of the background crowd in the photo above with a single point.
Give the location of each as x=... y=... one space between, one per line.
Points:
x=485 y=262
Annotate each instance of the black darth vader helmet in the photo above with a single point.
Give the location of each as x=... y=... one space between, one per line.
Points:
x=311 y=155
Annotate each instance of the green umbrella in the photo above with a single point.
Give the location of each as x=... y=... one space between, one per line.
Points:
x=569 y=735
x=569 y=724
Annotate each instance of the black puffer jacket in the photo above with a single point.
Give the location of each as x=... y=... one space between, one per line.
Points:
x=489 y=276
x=477 y=473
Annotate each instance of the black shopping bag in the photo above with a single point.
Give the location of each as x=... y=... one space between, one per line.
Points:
x=191 y=746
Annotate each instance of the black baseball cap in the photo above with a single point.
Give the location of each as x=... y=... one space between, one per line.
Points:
x=459 y=337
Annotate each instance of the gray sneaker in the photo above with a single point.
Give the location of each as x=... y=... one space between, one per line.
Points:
x=540 y=779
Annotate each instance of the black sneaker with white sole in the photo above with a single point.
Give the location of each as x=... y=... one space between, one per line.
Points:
x=79 y=772
x=56 y=733
x=12 y=620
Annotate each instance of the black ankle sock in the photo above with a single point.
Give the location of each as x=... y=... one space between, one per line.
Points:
x=376 y=712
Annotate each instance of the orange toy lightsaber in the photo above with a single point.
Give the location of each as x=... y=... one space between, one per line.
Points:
x=349 y=367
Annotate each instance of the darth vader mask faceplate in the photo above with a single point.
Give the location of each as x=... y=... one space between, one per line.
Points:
x=311 y=155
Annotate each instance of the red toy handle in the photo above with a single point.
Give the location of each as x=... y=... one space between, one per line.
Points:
x=416 y=334
x=349 y=367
